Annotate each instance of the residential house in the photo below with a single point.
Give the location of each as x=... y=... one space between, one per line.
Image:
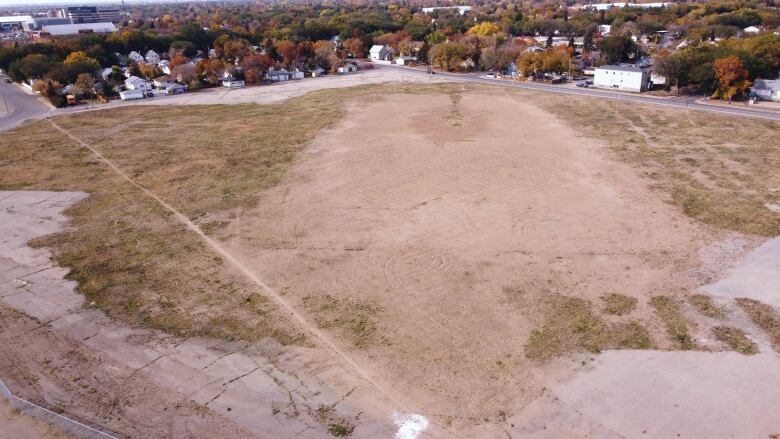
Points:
x=135 y=56
x=625 y=77
x=296 y=74
x=164 y=66
x=231 y=82
x=766 y=89
x=129 y=95
x=140 y=84
x=278 y=75
x=379 y=53
x=152 y=57
x=163 y=81
x=405 y=60
x=105 y=73
x=317 y=72
x=751 y=30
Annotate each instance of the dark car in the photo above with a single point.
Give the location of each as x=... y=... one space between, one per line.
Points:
x=7 y=81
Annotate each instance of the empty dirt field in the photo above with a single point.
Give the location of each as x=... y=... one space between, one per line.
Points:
x=422 y=260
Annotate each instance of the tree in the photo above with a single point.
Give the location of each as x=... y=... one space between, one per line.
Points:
x=80 y=58
x=672 y=69
x=617 y=49
x=85 y=84
x=355 y=47
x=448 y=56
x=484 y=29
x=732 y=77
x=435 y=38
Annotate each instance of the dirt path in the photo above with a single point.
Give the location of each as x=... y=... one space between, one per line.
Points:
x=426 y=229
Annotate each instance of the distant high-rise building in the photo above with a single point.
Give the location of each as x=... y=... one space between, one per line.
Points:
x=90 y=14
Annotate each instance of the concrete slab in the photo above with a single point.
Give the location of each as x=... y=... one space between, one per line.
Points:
x=756 y=276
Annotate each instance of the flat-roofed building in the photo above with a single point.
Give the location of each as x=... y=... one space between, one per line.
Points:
x=90 y=14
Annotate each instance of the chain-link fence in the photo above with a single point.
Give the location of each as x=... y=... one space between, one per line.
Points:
x=74 y=428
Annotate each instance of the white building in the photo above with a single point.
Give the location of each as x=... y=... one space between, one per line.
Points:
x=405 y=60
x=152 y=57
x=135 y=56
x=622 y=77
x=62 y=30
x=164 y=66
x=278 y=75
x=163 y=81
x=751 y=30
x=461 y=9
x=140 y=84
x=296 y=74
x=379 y=53
x=129 y=95
x=231 y=82
x=608 y=6
x=766 y=89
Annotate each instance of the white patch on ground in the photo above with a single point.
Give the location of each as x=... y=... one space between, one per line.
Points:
x=682 y=393
x=410 y=426
x=679 y=394
x=756 y=276
x=773 y=207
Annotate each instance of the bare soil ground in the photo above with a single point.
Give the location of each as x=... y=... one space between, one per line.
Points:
x=448 y=223
x=18 y=425
x=465 y=246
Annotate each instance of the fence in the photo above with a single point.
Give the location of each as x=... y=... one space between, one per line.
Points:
x=74 y=428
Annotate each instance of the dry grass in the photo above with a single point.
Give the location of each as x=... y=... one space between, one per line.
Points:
x=703 y=303
x=763 y=316
x=355 y=320
x=570 y=325
x=718 y=169
x=618 y=304
x=129 y=256
x=668 y=310
x=735 y=339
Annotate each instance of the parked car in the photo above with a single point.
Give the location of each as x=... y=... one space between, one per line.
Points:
x=585 y=84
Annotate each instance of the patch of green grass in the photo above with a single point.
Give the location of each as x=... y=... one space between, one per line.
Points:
x=354 y=319
x=668 y=310
x=763 y=316
x=703 y=303
x=570 y=325
x=735 y=339
x=618 y=304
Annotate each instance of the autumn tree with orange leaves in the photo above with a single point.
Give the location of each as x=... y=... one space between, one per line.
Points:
x=732 y=77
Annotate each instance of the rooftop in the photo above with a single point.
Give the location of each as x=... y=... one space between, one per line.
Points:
x=622 y=67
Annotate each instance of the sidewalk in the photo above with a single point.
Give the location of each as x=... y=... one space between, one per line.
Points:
x=758 y=106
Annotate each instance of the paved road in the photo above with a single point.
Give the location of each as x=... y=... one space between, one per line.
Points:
x=687 y=102
x=16 y=106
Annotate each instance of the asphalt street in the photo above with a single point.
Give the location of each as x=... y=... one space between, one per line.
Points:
x=16 y=106
x=687 y=102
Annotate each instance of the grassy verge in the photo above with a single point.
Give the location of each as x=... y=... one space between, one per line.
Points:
x=704 y=305
x=720 y=170
x=668 y=310
x=764 y=317
x=571 y=324
x=735 y=339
